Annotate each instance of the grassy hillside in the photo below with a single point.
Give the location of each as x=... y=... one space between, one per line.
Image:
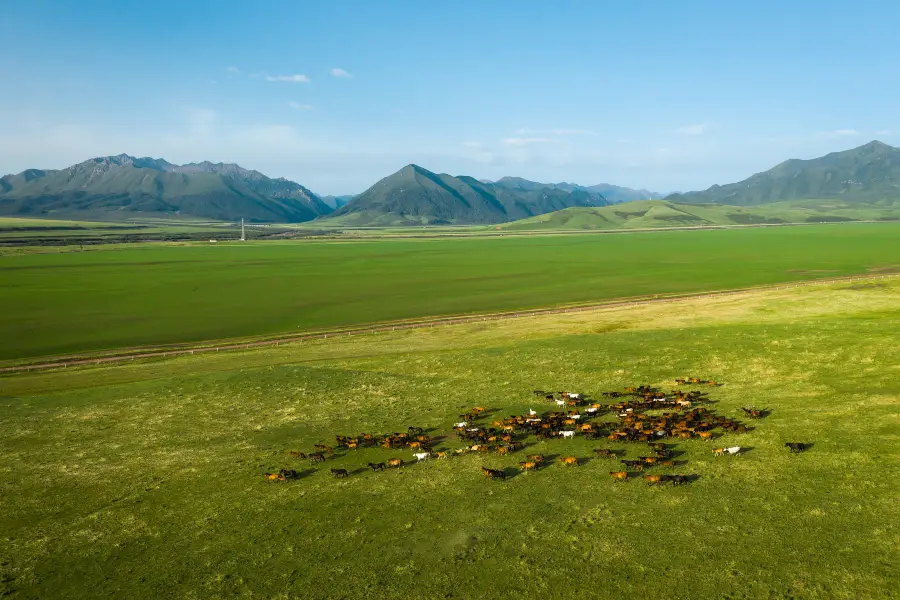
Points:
x=127 y=188
x=76 y=301
x=414 y=196
x=869 y=174
x=643 y=214
x=146 y=481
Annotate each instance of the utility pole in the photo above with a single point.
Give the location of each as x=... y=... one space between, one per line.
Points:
x=243 y=238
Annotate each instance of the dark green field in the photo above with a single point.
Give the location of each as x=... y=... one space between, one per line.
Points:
x=100 y=299
x=146 y=480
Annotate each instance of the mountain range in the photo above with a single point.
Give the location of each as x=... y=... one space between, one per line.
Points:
x=613 y=194
x=416 y=196
x=124 y=188
x=867 y=174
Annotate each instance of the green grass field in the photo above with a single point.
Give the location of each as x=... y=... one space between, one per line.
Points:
x=58 y=303
x=146 y=480
x=654 y=214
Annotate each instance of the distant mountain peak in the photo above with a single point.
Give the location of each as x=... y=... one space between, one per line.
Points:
x=867 y=173
x=118 y=186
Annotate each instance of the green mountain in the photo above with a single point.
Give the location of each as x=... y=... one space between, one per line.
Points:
x=123 y=187
x=335 y=202
x=614 y=194
x=644 y=214
x=869 y=174
x=416 y=196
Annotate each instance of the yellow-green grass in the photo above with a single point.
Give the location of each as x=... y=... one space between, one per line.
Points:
x=655 y=214
x=146 y=480
x=52 y=304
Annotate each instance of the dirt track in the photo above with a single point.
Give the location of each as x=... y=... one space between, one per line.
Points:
x=121 y=356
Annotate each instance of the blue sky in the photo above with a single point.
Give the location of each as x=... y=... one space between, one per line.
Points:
x=336 y=95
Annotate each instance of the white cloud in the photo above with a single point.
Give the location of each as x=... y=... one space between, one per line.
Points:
x=553 y=132
x=298 y=106
x=525 y=141
x=288 y=78
x=336 y=72
x=838 y=133
x=695 y=129
x=233 y=70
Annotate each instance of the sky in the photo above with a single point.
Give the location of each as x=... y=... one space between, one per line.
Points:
x=336 y=95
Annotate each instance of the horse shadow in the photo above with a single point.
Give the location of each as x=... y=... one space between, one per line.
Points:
x=807 y=446
x=512 y=472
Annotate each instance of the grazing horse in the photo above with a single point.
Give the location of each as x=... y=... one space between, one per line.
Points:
x=654 y=479
x=493 y=473
x=619 y=475
x=569 y=461
x=274 y=476
x=528 y=465
x=296 y=454
x=502 y=450
x=797 y=446
x=604 y=452
x=395 y=463
x=339 y=473
x=677 y=479
x=317 y=457
x=376 y=466
x=719 y=452
x=538 y=458
x=634 y=464
x=323 y=448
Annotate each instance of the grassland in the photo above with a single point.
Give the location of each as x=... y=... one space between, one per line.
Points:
x=653 y=214
x=146 y=480
x=58 y=303
x=21 y=234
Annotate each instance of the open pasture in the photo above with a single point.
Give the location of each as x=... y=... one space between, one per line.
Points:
x=148 y=480
x=52 y=304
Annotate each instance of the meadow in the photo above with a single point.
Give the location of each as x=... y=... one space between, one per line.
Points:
x=112 y=297
x=147 y=480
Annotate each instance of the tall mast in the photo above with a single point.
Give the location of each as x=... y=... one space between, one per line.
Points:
x=242 y=230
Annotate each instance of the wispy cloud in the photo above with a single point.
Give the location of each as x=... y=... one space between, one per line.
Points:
x=288 y=78
x=694 y=129
x=553 y=132
x=336 y=72
x=839 y=133
x=233 y=71
x=525 y=141
x=298 y=106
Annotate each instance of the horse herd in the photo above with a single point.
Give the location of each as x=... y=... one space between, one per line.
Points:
x=642 y=416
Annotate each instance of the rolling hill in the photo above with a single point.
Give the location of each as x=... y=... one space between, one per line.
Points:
x=123 y=187
x=869 y=174
x=416 y=196
x=644 y=214
x=614 y=194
